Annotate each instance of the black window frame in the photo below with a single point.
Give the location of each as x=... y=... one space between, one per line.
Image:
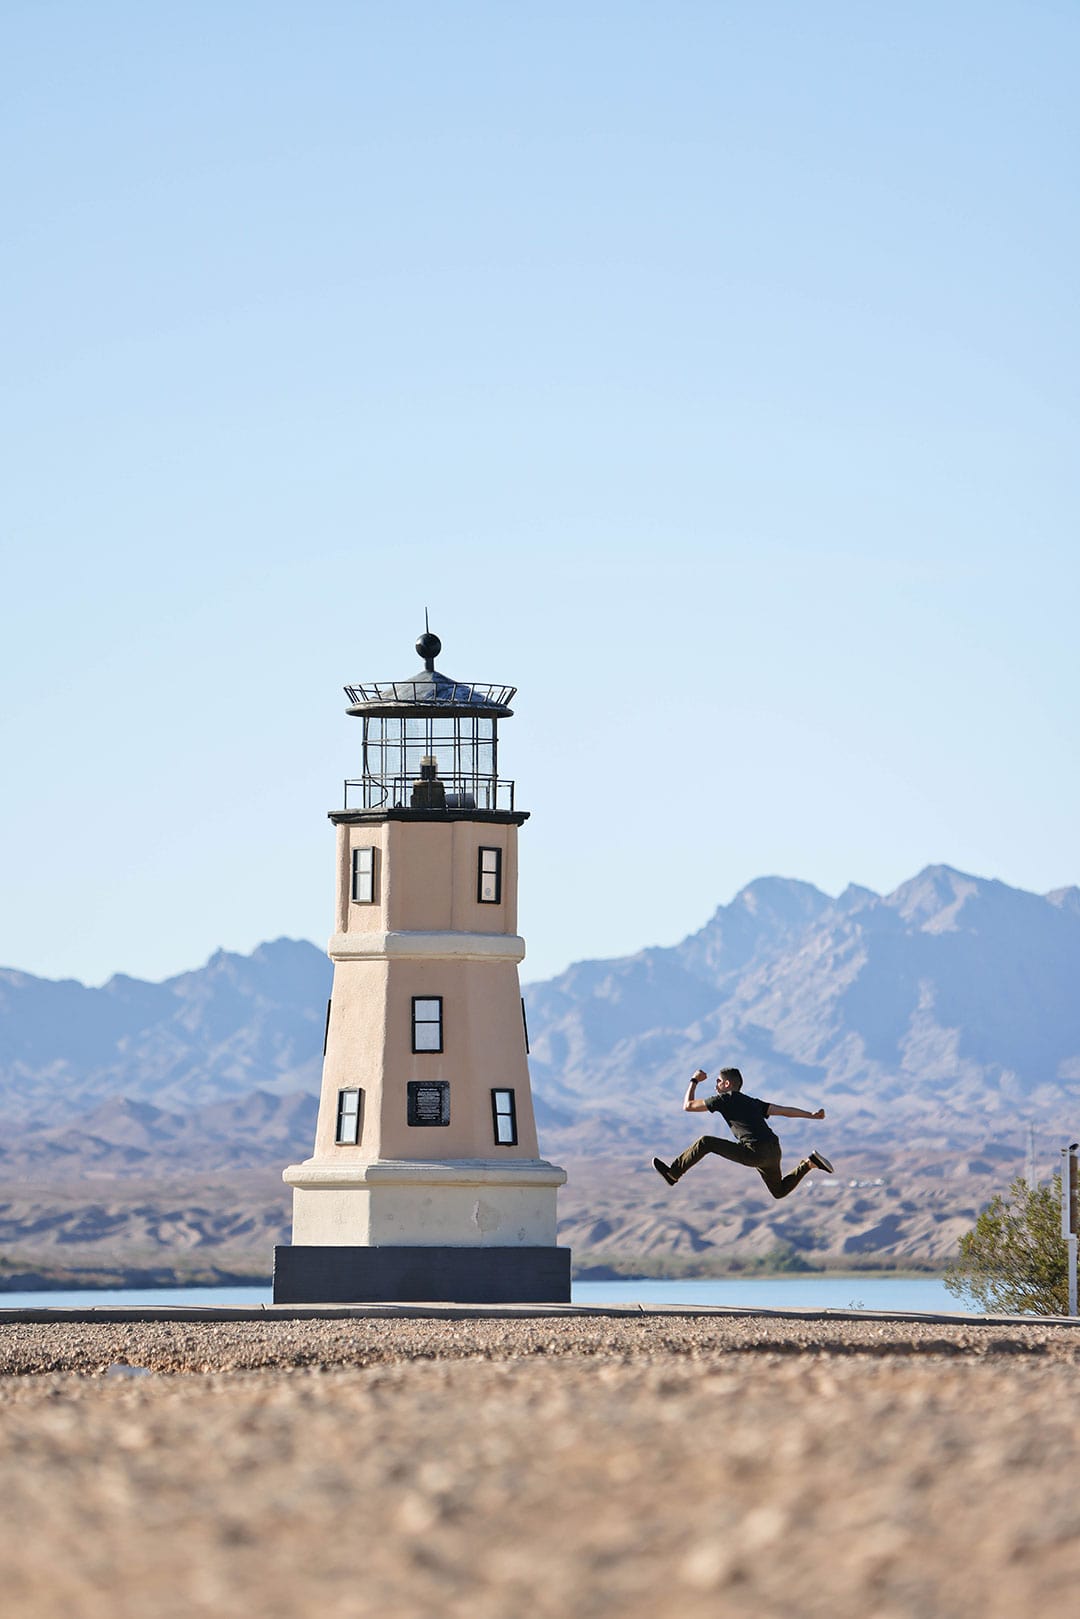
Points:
x=362 y=849
x=488 y=848
x=427 y=1023
x=412 y=1089
x=498 y=1113
x=358 y=1115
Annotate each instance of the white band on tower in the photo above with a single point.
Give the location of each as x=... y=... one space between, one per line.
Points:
x=427 y=946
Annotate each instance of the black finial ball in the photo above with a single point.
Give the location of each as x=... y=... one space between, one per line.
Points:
x=429 y=646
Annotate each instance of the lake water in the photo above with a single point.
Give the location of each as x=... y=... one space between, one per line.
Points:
x=762 y=1292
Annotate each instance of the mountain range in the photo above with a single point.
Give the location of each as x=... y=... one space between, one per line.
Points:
x=936 y=1024
x=239 y=1024
x=950 y=1007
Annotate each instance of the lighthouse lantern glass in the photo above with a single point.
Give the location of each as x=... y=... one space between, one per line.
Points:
x=463 y=746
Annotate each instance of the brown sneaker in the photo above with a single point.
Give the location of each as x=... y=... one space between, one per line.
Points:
x=819 y=1161
x=662 y=1169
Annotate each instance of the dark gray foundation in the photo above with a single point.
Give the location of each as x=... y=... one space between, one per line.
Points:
x=329 y=1275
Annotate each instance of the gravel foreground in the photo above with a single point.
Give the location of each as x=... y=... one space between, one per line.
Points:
x=635 y=1466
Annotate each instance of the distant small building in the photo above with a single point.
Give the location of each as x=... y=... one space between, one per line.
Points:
x=426 y=1181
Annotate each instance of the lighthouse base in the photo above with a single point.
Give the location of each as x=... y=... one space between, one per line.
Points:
x=345 y=1275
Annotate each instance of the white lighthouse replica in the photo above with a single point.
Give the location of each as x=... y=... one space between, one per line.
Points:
x=426 y=1181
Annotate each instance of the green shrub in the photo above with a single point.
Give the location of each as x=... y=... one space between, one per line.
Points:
x=1015 y=1260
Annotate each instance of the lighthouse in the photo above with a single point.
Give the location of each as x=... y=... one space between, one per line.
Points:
x=426 y=1181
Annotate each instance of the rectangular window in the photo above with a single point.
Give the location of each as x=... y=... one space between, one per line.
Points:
x=348 y=1118
x=427 y=1023
x=428 y=1101
x=504 y=1117
x=489 y=876
x=363 y=876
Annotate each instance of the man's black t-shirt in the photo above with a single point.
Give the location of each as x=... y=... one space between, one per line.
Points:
x=745 y=1114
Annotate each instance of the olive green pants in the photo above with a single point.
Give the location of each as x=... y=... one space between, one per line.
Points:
x=764 y=1156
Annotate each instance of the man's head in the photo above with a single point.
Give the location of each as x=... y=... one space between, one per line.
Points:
x=728 y=1079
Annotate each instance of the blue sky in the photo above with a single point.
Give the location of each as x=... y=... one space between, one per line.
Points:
x=710 y=371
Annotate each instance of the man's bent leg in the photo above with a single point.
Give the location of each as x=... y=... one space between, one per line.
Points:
x=780 y=1185
x=732 y=1150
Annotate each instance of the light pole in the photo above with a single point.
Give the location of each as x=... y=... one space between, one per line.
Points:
x=1070 y=1213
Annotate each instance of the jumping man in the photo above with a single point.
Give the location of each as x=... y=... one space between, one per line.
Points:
x=755 y=1144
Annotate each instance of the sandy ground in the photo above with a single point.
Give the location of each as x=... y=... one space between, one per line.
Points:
x=592 y=1466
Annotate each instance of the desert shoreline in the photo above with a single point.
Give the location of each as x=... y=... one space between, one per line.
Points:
x=135 y=1314
x=172 y=1279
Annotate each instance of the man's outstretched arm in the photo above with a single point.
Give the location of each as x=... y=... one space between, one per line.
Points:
x=794 y=1112
x=691 y=1104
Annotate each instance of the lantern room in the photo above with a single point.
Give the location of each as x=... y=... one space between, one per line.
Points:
x=430 y=742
